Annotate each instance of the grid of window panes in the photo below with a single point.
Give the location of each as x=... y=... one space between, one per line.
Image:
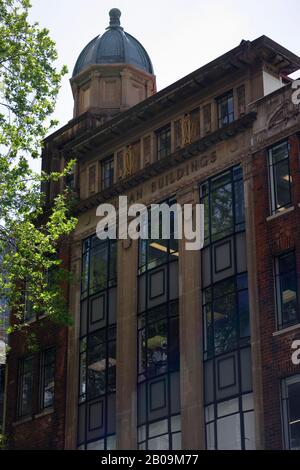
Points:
x=291 y=412
x=279 y=177
x=225 y=109
x=159 y=426
x=227 y=357
x=25 y=387
x=230 y=424
x=97 y=376
x=163 y=137
x=286 y=290
x=47 y=377
x=107 y=173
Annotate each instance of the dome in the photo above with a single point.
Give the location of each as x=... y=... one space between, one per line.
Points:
x=115 y=46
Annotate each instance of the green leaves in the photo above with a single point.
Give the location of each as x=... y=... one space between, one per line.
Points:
x=30 y=240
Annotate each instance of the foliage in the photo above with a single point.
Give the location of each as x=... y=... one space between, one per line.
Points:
x=29 y=238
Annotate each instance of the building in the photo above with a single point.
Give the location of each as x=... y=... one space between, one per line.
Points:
x=171 y=348
x=4 y=323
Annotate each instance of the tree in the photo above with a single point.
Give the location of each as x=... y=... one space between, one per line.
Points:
x=29 y=84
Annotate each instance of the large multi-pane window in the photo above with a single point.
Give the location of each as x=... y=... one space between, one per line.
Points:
x=279 y=177
x=25 y=386
x=291 y=412
x=225 y=109
x=163 y=137
x=107 y=173
x=159 y=424
x=286 y=290
x=97 y=377
x=227 y=356
x=47 y=377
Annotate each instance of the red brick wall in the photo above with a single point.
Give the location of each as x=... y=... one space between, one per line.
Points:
x=274 y=237
x=38 y=432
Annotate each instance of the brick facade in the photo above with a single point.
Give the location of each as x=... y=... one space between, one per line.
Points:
x=260 y=120
x=274 y=237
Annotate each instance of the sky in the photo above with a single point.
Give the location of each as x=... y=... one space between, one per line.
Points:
x=179 y=35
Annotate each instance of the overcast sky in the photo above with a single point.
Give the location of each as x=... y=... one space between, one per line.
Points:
x=179 y=35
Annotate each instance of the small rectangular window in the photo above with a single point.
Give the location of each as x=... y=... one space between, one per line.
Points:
x=225 y=109
x=286 y=290
x=163 y=142
x=47 y=378
x=279 y=177
x=291 y=412
x=107 y=173
x=25 y=386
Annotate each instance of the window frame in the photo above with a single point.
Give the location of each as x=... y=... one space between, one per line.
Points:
x=85 y=337
x=21 y=375
x=278 y=290
x=107 y=181
x=42 y=388
x=165 y=151
x=146 y=267
x=230 y=116
x=285 y=421
x=272 y=178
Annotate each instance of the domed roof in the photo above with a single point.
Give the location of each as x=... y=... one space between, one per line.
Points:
x=115 y=46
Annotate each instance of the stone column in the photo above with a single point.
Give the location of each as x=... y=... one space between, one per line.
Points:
x=127 y=345
x=73 y=350
x=254 y=305
x=191 y=360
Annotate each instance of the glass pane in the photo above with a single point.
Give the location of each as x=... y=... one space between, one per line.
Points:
x=113 y=262
x=26 y=388
x=111 y=443
x=229 y=433
x=228 y=407
x=97 y=365
x=159 y=443
x=98 y=268
x=249 y=425
x=221 y=212
x=82 y=377
x=157 y=348
x=209 y=332
x=239 y=202
x=282 y=184
x=176 y=423
x=98 y=445
x=294 y=415
x=248 y=402
x=142 y=433
x=210 y=436
x=224 y=323
x=176 y=441
x=243 y=302
x=279 y=152
x=289 y=297
x=174 y=343
x=142 y=359
x=158 y=428
x=112 y=366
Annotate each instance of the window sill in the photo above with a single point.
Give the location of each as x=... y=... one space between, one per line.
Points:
x=289 y=329
x=23 y=421
x=278 y=214
x=46 y=412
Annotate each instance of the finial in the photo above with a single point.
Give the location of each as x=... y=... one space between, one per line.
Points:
x=115 y=16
